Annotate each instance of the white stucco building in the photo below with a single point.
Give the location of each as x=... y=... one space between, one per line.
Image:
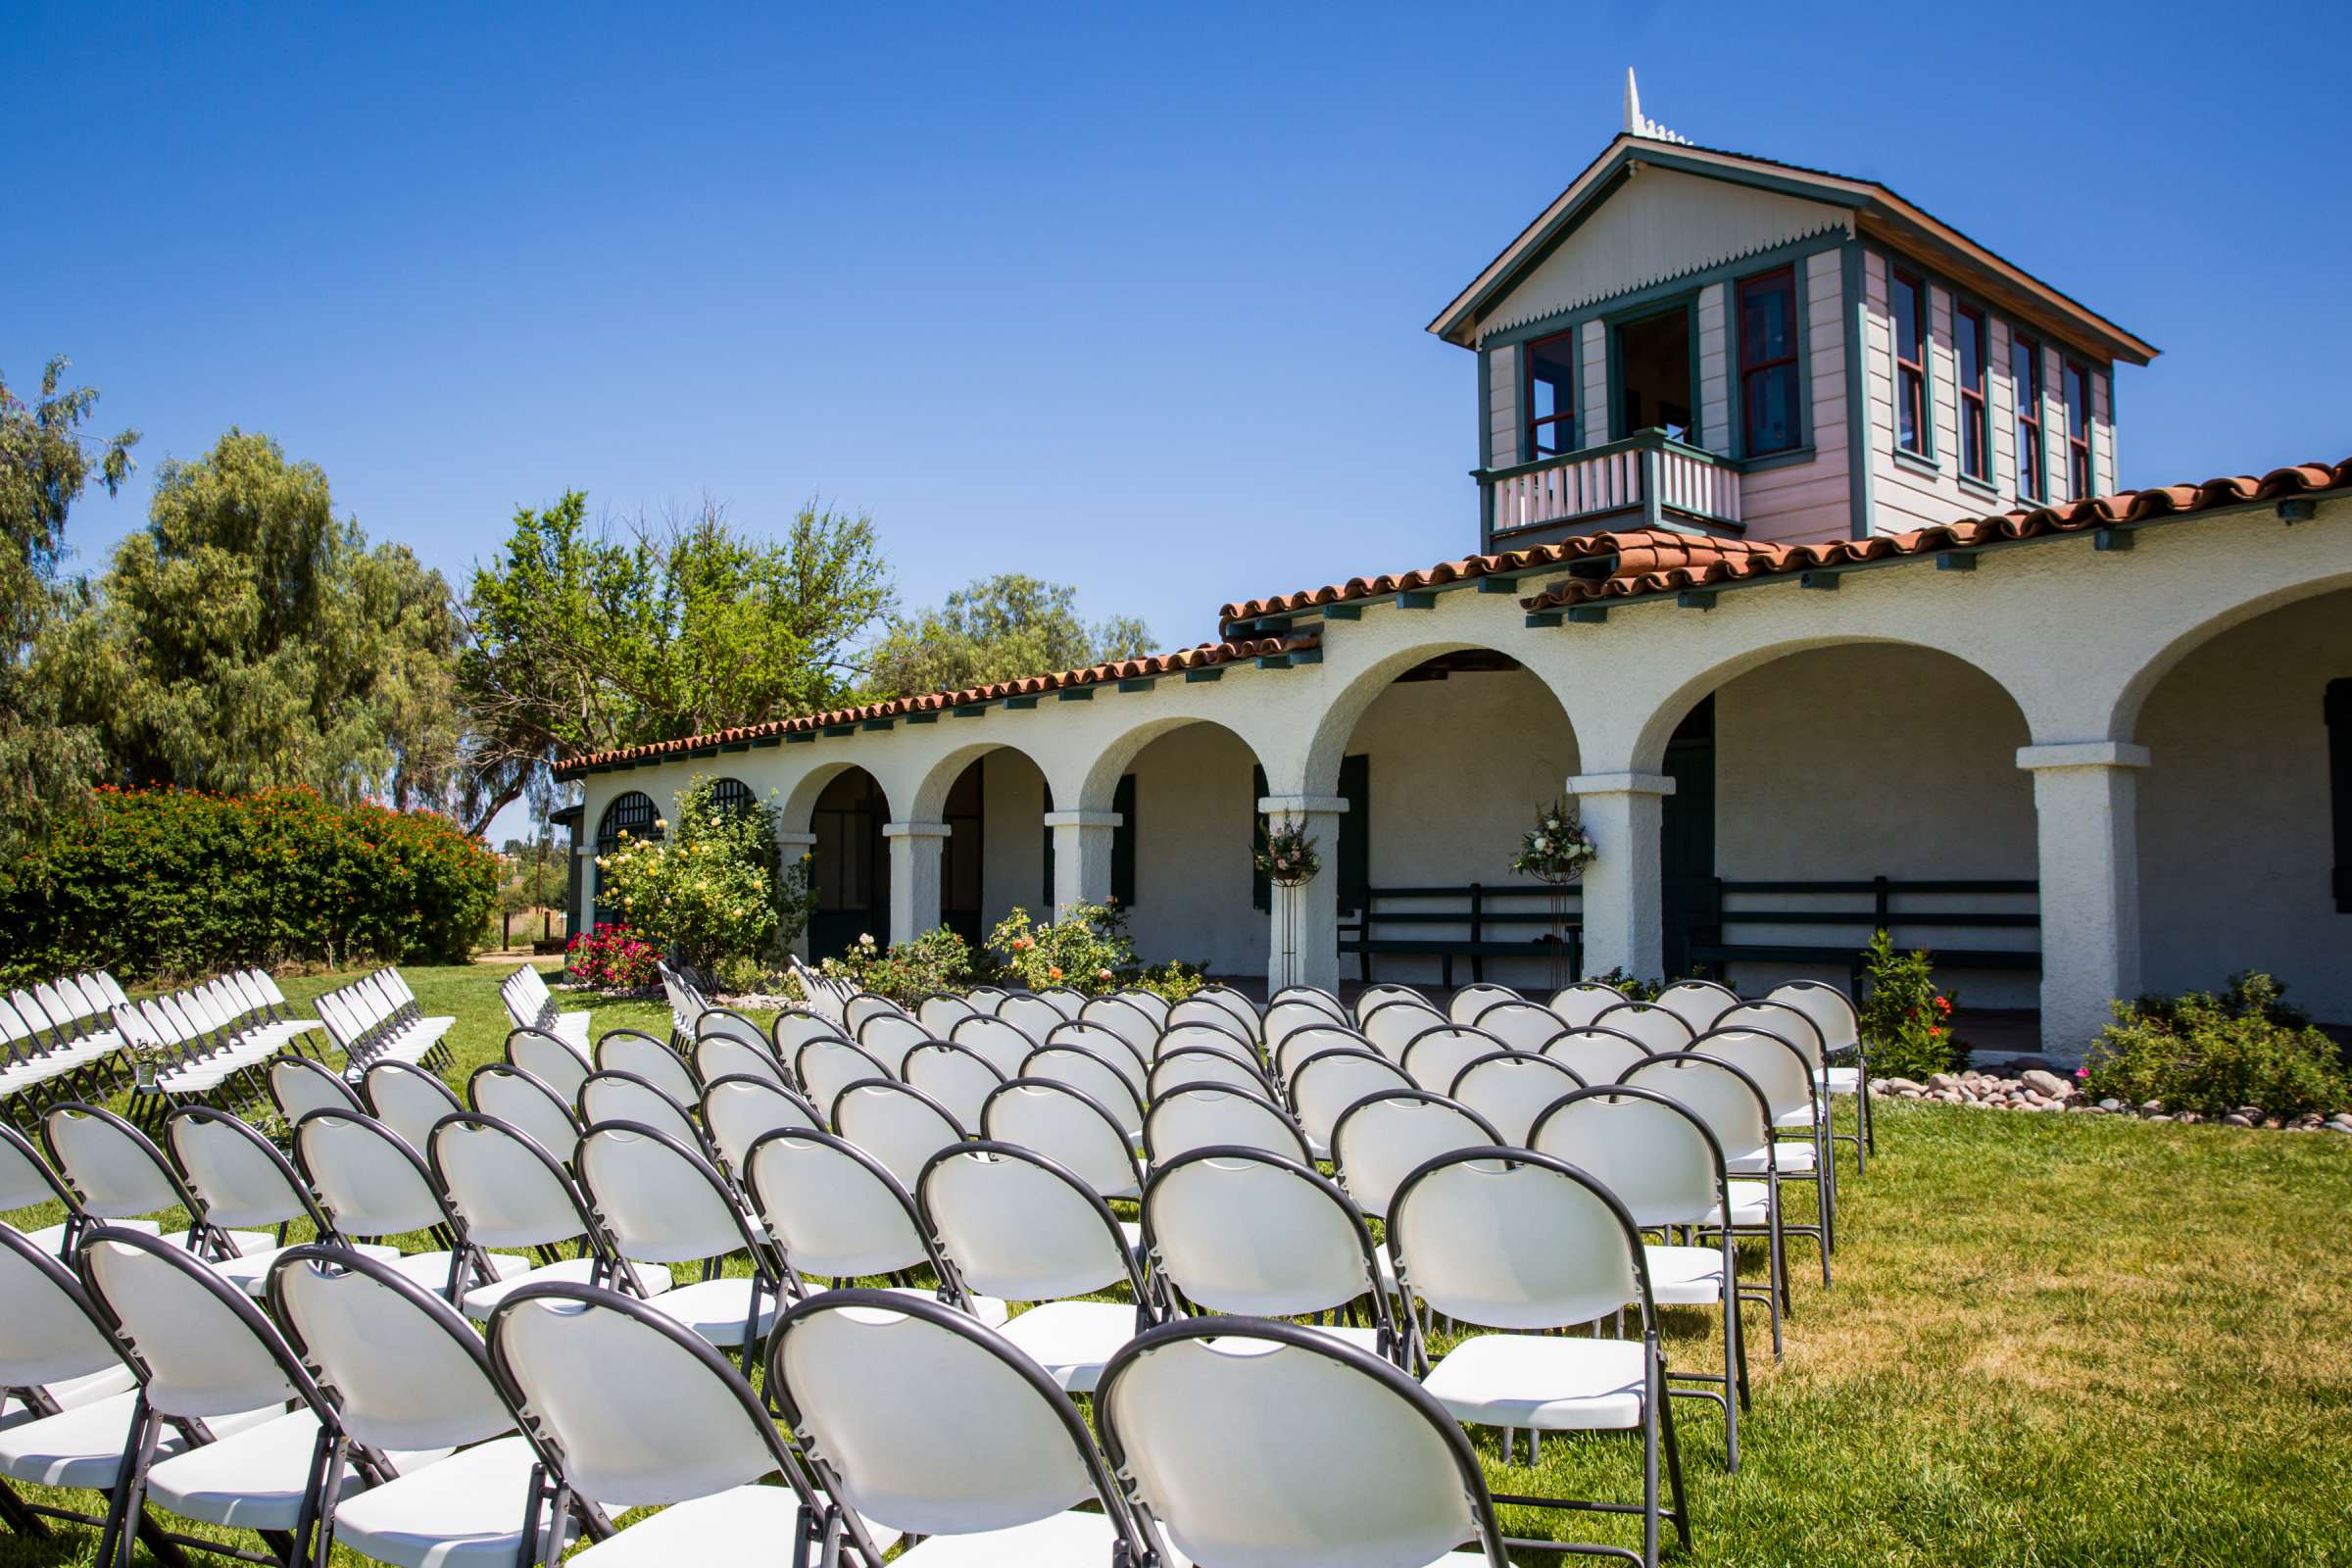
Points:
x=1800 y=566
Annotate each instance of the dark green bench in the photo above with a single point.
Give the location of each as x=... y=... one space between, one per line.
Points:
x=1880 y=903
x=1503 y=922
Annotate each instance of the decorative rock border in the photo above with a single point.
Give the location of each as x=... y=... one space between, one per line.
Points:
x=2035 y=1088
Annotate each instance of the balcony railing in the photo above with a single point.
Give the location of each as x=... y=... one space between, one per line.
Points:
x=1649 y=473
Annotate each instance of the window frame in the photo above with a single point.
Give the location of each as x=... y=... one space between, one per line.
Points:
x=1915 y=393
x=2033 y=482
x=1973 y=406
x=2071 y=373
x=1530 y=448
x=1792 y=362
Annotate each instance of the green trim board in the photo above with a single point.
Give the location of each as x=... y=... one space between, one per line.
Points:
x=1665 y=288
x=1344 y=611
x=1856 y=306
x=1020 y=702
x=1075 y=694
x=1195 y=677
x=1417 y=599
x=1137 y=683
x=931 y=717
x=800 y=737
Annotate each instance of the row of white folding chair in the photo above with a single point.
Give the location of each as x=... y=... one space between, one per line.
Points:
x=530 y=1004
x=378 y=1017
x=209 y=1037
x=39 y=1046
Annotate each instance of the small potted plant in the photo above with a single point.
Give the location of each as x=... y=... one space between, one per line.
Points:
x=1555 y=853
x=1287 y=856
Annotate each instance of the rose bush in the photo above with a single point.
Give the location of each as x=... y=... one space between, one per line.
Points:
x=711 y=888
x=1906 y=1017
x=611 y=958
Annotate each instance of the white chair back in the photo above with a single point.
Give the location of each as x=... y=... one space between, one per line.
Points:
x=1380 y=1140
x=719 y=1056
x=660 y=1200
x=1653 y=1153
x=1720 y=1094
x=1196 y=1064
x=834 y=1210
x=1033 y=1017
x=794 y=1027
x=1326 y=1083
x=650 y=1060
x=899 y=1126
x=1393 y=1025
x=1380 y=996
x=941 y=1010
x=1194 y=1116
x=827 y=1066
x=1792 y=1024
x=507 y=1188
x=1254 y=1234
x=1436 y=1057
x=1524 y=1242
x=299 y=1086
x=864 y=1005
x=408 y=1099
x=996 y=1041
x=1521 y=1025
x=1243 y=1011
x=887 y=1037
x=1577 y=1005
x=1648 y=1022
x=1124 y=1017
x=1511 y=1089
x=206 y=1349
x=1079 y=1134
x=742 y=1109
x=1597 y=1055
x=519 y=1099
x=1698 y=1003
x=239 y=1176
x=51 y=1334
x=112 y=1167
x=1312 y=1041
x=1020 y=1228
x=1465 y=1004
x=369 y=1183
x=623 y=1096
x=549 y=1060
x=1830 y=1009
x=1091 y=1075
x=958 y=1079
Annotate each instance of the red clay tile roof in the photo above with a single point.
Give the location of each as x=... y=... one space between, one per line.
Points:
x=1655 y=561
x=1198 y=658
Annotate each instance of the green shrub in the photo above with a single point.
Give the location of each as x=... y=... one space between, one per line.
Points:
x=710 y=888
x=1087 y=950
x=611 y=958
x=181 y=882
x=2213 y=1054
x=1906 y=1017
x=1631 y=986
x=907 y=971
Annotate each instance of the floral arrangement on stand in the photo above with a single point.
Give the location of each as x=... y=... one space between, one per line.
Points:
x=1556 y=851
x=1287 y=856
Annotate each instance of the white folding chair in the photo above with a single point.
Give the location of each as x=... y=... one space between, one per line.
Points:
x=1314 y=1040
x=1018 y=1227
x=1596 y=1056
x=408 y=1099
x=1209 y=1035
x=958 y=1079
x=794 y=1027
x=1465 y=1004
x=1577 y=1005
x=639 y=1412
x=1511 y=1089
x=941 y=1010
x=1523 y=1243
x=510 y=1193
x=1092 y=1075
x=1193 y=1117
x=372 y=1187
x=900 y=1126
x=1384 y=1138
x=825 y=1067
x=244 y=1184
x=1031 y=1015
x=864 y=1005
x=1698 y=1003
x=116 y=1172
x=887 y=1037
x=1313 y=996
x=1380 y=996
x=1349 y=1459
x=1326 y=1083
x=1199 y=1065
x=994 y=1040
x=659 y=1200
x=1242 y=1231
x=850 y=1369
x=1126 y=1018
x=1800 y=1121
x=405 y=1372
x=1151 y=1003
x=1648 y=1022
x=1831 y=1012
x=52 y=1358
x=299 y=1086
x=650 y=1060
x=624 y=1097
x=1068 y=1001
x=521 y=1101
x=1287 y=1015
x=1736 y=1113
x=1436 y=1057
x=1243 y=1012
x=1109 y=1044
x=740 y=1110
x=549 y=1061
x=1393 y=1025
x=1522 y=1025
x=1660 y=1162
x=1077 y=1132
x=26 y=1182
x=720 y=1056
x=1201 y=1009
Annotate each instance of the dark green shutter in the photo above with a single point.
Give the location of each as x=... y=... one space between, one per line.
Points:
x=1046 y=901
x=1122 y=843
x=2339 y=709
x=1355 y=834
x=1261 y=892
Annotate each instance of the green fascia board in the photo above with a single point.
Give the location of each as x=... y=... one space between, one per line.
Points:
x=1343 y=612
x=800 y=737
x=1274 y=661
x=969 y=711
x=928 y=717
x=1138 y=683
x=840 y=729
x=2106 y=539
x=1956 y=560
x=1020 y=702
x=1544 y=618
x=1075 y=694
x=1695 y=599
x=1306 y=655
x=1819 y=580
x=877 y=723
x=1417 y=599
x=1588 y=614
x=1194 y=677
x=764 y=742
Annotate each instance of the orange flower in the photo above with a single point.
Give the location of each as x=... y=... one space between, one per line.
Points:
x=1053 y=975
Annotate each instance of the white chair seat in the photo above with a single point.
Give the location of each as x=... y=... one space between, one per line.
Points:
x=253 y=1480
x=1366 y=1340
x=464 y=1512
x=1801 y=1117
x=83 y=1448
x=1795 y=1159
x=1542 y=1382
x=431 y=1269
x=1685 y=1276
x=73 y=1392
x=1751 y=1205
x=249 y=1243
x=716 y=1309
x=1072 y=1339
x=52 y=1236
x=482 y=1299
x=738 y=1528
x=1838 y=1080
x=989 y=1309
x=1082 y=1539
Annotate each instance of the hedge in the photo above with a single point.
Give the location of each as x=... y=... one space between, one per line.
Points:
x=181 y=882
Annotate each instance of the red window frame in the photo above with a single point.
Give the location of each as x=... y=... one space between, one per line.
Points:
x=2031 y=467
x=1976 y=426
x=1910 y=376
x=1783 y=277
x=1563 y=420
x=2075 y=386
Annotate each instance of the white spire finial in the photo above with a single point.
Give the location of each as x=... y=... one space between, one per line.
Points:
x=1637 y=124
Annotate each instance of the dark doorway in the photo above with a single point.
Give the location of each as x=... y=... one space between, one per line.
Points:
x=964 y=859
x=1654 y=375
x=1687 y=837
x=852 y=865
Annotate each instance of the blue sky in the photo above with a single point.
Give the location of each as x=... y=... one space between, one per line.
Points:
x=1127 y=297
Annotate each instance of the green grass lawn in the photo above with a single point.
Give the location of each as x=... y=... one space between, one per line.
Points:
x=2052 y=1340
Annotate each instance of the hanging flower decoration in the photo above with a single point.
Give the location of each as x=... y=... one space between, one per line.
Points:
x=1555 y=849
x=1287 y=856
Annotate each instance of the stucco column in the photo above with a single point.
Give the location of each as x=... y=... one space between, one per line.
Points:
x=1623 y=813
x=1081 y=856
x=790 y=847
x=2085 y=806
x=914 y=876
x=1309 y=916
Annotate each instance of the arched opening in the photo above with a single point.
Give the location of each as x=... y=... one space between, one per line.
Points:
x=732 y=795
x=632 y=814
x=1186 y=791
x=997 y=855
x=850 y=864
x=1451 y=756
x=2245 y=808
x=1831 y=790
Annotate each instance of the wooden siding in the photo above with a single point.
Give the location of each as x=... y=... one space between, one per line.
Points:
x=1714 y=369
x=2001 y=404
x=1502 y=405
x=1664 y=224
x=1593 y=416
x=1812 y=501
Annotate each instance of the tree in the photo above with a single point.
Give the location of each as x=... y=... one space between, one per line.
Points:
x=246 y=638
x=588 y=638
x=998 y=628
x=45 y=465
